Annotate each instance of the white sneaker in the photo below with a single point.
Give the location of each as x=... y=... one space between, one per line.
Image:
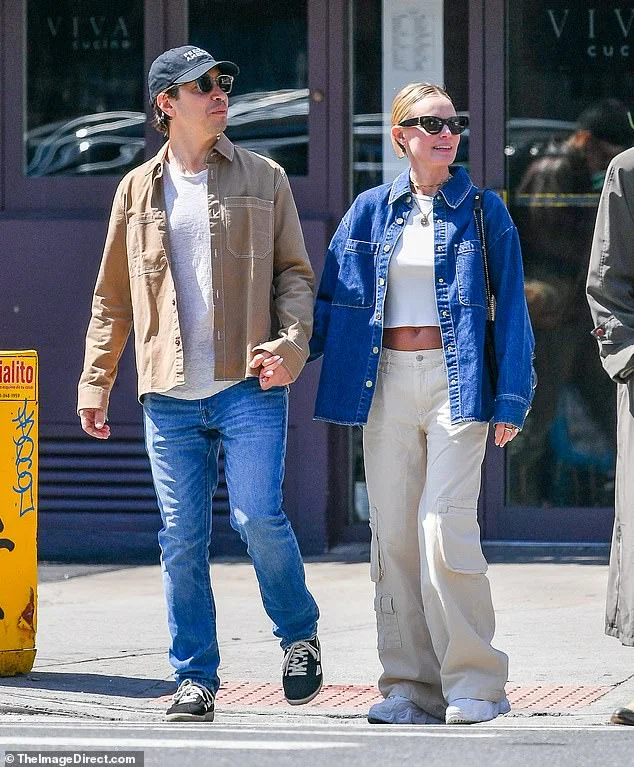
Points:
x=399 y=710
x=470 y=711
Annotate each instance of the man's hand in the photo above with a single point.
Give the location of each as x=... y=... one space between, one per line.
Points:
x=93 y=422
x=272 y=371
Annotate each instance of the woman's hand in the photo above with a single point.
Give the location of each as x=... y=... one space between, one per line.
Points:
x=504 y=433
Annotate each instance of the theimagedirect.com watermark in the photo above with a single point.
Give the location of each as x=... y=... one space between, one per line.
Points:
x=66 y=758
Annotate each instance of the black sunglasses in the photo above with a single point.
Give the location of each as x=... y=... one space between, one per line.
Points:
x=433 y=125
x=205 y=83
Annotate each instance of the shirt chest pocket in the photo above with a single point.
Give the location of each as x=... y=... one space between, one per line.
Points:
x=355 y=286
x=249 y=222
x=470 y=273
x=146 y=254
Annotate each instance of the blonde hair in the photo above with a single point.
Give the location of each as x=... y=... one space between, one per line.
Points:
x=405 y=100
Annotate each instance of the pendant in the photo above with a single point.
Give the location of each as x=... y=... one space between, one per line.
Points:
x=424 y=219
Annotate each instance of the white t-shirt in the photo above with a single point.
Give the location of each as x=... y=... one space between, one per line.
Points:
x=190 y=250
x=411 y=294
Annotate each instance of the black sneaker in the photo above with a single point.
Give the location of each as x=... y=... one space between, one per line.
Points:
x=301 y=671
x=191 y=703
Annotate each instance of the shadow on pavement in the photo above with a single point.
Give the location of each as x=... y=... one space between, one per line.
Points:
x=97 y=684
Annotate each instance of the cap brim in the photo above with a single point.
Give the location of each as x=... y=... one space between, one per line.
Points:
x=225 y=67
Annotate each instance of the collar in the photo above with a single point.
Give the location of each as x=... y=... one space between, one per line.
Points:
x=454 y=191
x=223 y=146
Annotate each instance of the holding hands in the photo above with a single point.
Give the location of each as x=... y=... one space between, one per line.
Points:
x=272 y=372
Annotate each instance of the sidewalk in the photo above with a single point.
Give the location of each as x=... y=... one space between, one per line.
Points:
x=102 y=642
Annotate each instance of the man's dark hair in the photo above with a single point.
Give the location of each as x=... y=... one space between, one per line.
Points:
x=608 y=120
x=161 y=120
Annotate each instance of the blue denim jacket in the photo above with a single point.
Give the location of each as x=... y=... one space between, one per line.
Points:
x=350 y=302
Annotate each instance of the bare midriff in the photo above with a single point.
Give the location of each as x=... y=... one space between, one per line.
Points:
x=412 y=339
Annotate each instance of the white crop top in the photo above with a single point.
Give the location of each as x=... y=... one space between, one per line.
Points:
x=411 y=295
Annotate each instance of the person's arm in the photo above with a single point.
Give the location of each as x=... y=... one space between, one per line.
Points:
x=326 y=290
x=110 y=322
x=293 y=282
x=610 y=285
x=513 y=334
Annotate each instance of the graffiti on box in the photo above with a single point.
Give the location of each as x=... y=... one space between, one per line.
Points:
x=24 y=451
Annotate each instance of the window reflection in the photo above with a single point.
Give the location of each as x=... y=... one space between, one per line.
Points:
x=85 y=89
x=269 y=104
x=562 y=133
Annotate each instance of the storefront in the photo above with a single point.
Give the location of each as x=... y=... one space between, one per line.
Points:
x=317 y=78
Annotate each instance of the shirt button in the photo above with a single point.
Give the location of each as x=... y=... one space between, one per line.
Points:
x=419 y=357
x=375 y=350
x=440 y=280
x=177 y=342
x=399 y=220
x=381 y=281
x=368 y=384
x=386 y=248
x=173 y=302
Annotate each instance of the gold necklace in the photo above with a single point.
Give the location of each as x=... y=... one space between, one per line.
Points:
x=428 y=186
x=424 y=216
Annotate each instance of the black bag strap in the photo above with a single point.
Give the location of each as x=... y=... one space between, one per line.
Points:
x=478 y=212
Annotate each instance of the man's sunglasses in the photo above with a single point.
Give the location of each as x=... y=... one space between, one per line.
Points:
x=434 y=125
x=205 y=83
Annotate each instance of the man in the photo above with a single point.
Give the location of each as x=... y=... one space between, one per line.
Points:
x=205 y=259
x=610 y=291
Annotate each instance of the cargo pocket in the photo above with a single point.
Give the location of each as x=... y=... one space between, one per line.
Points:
x=375 y=552
x=459 y=537
x=388 y=632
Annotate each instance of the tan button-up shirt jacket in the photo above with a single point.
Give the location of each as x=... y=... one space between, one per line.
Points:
x=261 y=277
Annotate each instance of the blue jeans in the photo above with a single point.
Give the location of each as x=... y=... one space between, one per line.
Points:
x=182 y=439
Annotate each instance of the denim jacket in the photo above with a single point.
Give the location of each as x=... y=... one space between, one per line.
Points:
x=348 y=323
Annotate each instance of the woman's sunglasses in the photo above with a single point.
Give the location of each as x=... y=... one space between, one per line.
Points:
x=205 y=83
x=433 y=125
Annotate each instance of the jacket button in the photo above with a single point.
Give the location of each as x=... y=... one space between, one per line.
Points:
x=399 y=220
x=440 y=280
x=599 y=332
x=378 y=315
x=450 y=348
x=381 y=281
x=386 y=248
x=368 y=384
x=445 y=314
x=375 y=350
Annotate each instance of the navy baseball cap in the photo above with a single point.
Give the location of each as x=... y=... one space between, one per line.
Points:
x=182 y=65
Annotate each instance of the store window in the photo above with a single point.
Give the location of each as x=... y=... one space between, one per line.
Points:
x=570 y=89
x=395 y=42
x=85 y=87
x=269 y=105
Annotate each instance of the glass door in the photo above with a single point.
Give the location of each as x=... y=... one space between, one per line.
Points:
x=392 y=43
x=568 y=91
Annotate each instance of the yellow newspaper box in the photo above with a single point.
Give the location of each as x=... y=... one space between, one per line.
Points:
x=18 y=510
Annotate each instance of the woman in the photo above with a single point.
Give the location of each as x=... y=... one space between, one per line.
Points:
x=400 y=319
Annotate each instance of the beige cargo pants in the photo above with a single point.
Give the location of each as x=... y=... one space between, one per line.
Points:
x=433 y=606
